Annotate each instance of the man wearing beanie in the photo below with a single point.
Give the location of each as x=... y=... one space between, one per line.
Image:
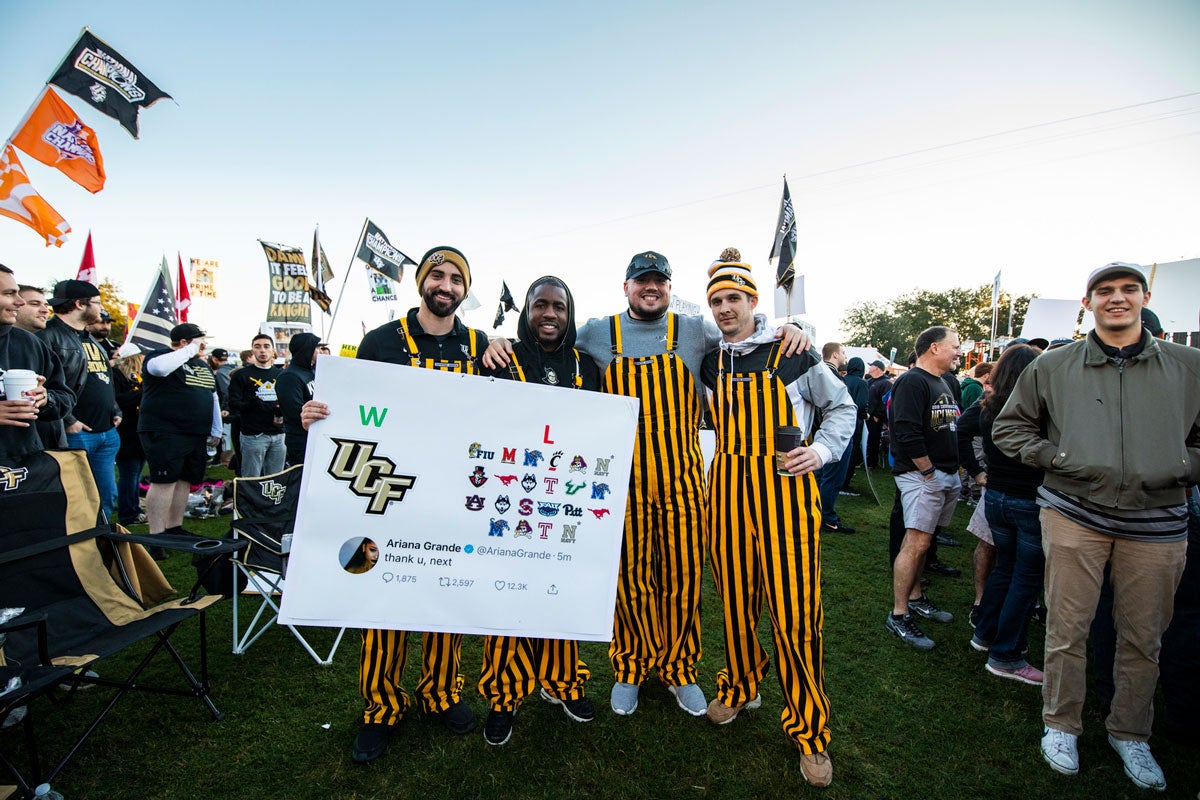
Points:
x=179 y=416
x=1112 y=421
x=513 y=666
x=429 y=336
x=764 y=526
x=654 y=355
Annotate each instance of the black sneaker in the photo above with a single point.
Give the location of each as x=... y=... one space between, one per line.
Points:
x=498 y=728
x=909 y=633
x=924 y=607
x=946 y=540
x=459 y=718
x=841 y=527
x=938 y=568
x=371 y=741
x=581 y=710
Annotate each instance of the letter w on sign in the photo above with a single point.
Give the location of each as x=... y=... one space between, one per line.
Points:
x=372 y=415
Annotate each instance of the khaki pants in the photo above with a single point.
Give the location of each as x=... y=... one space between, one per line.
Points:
x=1144 y=576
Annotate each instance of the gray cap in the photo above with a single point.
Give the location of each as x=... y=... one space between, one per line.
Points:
x=1114 y=269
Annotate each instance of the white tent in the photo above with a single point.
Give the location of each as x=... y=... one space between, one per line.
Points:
x=1050 y=319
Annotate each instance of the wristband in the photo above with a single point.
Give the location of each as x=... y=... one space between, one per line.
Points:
x=928 y=472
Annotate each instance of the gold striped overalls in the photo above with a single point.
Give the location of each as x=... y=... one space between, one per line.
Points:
x=764 y=543
x=384 y=653
x=657 y=620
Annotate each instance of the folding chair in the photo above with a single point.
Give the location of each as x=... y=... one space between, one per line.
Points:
x=88 y=592
x=264 y=511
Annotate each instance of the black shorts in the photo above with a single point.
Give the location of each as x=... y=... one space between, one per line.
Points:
x=175 y=456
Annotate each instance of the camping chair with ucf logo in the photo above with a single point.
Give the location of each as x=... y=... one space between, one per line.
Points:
x=85 y=592
x=264 y=514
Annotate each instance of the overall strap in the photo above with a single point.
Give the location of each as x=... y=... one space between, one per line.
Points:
x=614 y=329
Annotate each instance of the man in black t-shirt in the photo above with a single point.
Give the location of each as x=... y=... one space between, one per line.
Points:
x=923 y=418
x=253 y=400
x=179 y=417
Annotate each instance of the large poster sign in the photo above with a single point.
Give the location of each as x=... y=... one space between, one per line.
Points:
x=289 y=284
x=434 y=501
x=203 y=280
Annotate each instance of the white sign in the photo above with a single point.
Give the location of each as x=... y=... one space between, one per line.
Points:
x=434 y=501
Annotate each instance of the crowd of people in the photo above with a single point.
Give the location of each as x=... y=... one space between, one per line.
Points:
x=1081 y=463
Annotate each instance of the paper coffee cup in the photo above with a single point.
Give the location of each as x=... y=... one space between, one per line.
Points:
x=787 y=439
x=20 y=384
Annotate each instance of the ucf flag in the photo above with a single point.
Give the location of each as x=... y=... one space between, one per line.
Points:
x=289 y=297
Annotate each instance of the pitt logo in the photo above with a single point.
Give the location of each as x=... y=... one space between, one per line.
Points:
x=572 y=511
x=502 y=504
x=509 y=455
x=478 y=477
x=572 y=488
x=273 y=491
x=497 y=527
x=506 y=479
x=568 y=536
x=474 y=503
x=369 y=475
x=476 y=451
x=528 y=482
x=533 y=458
x=578 y=464
x=599 y=490
x=12 y=477
x=602 y=466
x=524 y=529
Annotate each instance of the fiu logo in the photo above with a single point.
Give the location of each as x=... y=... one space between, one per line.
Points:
x=273 y=491
x=578 y=465
x=369 y=475
x=548 y=509
x=474 y=503
x=12 y=477
x=476 y=451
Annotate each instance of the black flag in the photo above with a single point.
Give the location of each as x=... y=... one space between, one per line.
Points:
x=377 y=252
x=506 y=304
x=784 y=246
x=106 y=79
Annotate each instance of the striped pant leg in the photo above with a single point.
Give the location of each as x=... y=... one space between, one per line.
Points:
x=507 y=676
x=790 y=540
x=680 y=544
x=380 y=668
x=440 y=685
x=737 y=573
x=559 y=669
x=636 y=636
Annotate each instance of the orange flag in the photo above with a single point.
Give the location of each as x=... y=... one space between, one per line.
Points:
x=55 y=135
x=20 y=201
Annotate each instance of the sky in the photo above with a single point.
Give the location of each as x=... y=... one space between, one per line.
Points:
x=926 y=145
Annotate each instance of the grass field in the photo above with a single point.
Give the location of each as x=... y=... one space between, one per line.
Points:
x=906 y=724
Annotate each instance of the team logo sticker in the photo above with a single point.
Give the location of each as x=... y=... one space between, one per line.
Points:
x=478 y=477
x=502 y=504
x=523 y=530
x=533 y=458
x=578 y=465
x=474 y=502
x=529 y=482
x=370 y=476
x=497 y=527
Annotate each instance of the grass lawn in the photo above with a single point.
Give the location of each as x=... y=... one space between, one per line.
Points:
x=906 y=724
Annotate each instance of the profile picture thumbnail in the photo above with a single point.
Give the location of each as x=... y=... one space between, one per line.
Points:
x=358 y=555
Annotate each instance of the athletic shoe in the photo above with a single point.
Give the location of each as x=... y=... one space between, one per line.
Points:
x=1040 y=612
x=838 y=528
x=1140 y=765
x=1061 y=751
x=980 y=644
x=624 y=698
x=722 y=714
x=690 y=698
x=581 y=710
x=1027 y=674
x=817 y=769
x=925 y=608
x=498 y=728
x=909 y=633
x=459 y=718
x=371 y=741
x=938 y=568
x=946 y=540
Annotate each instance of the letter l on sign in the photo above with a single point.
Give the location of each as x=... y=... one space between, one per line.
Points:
x=546 y=436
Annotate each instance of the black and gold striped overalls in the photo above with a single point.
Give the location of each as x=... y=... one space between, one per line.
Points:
x=657 y=620
x=764 y=543
x=514 y=665
x=384 y=652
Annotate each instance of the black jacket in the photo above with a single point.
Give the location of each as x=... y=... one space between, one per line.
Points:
x=558 y=367
x=293 y=389
x=858 y=388
x=20 y=349
x=64 y=341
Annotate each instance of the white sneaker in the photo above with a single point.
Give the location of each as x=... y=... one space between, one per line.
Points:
x=624 y=698
x=1061 y=751
x=1140 y=765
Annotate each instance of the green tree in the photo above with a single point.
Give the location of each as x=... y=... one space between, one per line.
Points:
x=114 y=303
x=898 y=321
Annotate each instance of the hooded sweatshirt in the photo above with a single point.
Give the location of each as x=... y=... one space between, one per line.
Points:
x=557 y=367
x=858 y=388
x=293 y=388
x=20 y=349
x=810 y=385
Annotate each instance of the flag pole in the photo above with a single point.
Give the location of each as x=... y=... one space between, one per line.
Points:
x=345 y=280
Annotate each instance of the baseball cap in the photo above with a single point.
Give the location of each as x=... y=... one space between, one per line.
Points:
x=219 y=353
x=1112 y=270
x=647 y=262
x=187 y=330
x=105 y=316
x=1151 y=322
x=877 y=363
x=66 y=291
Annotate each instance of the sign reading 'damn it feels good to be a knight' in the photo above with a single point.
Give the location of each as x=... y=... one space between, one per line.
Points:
x=434 y=501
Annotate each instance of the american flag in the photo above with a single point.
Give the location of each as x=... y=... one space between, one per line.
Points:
x=152 y=328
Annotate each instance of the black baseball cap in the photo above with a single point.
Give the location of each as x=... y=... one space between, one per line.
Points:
x=187 y=330
x=105 y=316
x=877 y=363
x=647 y=262
x=219 y=353
x=66 y=291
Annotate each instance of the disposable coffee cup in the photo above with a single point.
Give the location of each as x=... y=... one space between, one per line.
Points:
x=787 y=439
x=20 y=384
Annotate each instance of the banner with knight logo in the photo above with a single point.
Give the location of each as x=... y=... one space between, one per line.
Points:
x=436 y=501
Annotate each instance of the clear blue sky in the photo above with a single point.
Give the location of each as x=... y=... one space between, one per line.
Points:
x=563 y=138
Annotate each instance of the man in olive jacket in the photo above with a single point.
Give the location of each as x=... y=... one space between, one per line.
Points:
x=1114 y=421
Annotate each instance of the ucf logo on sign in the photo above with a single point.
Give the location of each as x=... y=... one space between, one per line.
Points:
x=369 y=475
